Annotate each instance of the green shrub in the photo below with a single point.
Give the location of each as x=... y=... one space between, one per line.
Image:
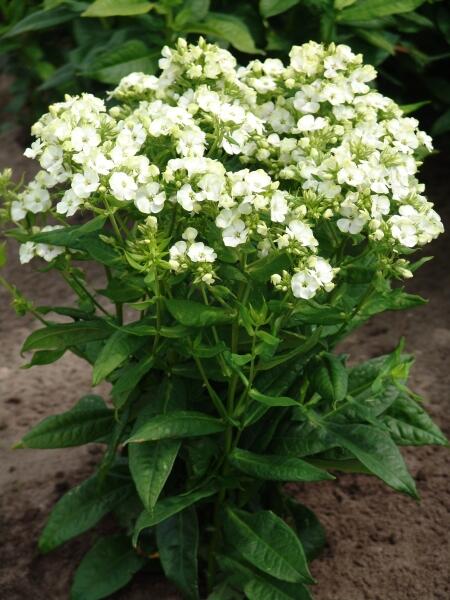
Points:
x=248 y=220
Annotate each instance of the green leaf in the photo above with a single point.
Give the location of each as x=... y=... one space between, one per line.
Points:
x=265 y=589
x=415 y=106
x=363 y=10
x=151 y=462
x=272 y=400
x=330 y=379
x=270 y=8
x=170 y=506
x=376 y=450
x=442 y=124
x=177 y=539
x=88 y=421
x=129 y=378
x=69 y=236
x=195 y=314
x=116 y=8
x=265 y=541
x=240 y=574
x=119 y=347
x=308 y=527
x=177 y=424
x=318 y=314
x=133 y=55
x=41 y=19
x=410 y=425
x=225 y=27
x=261 y=269
x=2 y=254
x=192 y=10
x=64 y=335
x=81 y=508
x=108 y=566
x=275 y=467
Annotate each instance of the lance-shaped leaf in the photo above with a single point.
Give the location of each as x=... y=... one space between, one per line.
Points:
x=268 y=543
x=115 y=352
x=81 y=508
x=151 y=462
x=177 y=539
x=170 y=506
x=308 y=527
x=195 y=314
x=330 y=379
x=273 y=467
x=270 y=8
x=410 y=425
x=114 y=8
x=88 y=421
x=376 y=450
x=177 y=424
x=258 y=585
x=108 y=566
x=64 y=335
x=272 y=400
x=128 y=379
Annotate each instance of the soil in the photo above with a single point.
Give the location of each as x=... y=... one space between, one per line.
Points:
x=381 y=545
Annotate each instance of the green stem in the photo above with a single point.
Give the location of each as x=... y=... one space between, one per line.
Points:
x=213 y=395
x=87 y=292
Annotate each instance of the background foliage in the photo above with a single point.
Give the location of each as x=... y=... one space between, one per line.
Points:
x=66 y=46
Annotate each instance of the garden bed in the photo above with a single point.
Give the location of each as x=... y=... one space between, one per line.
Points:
x=380 y=545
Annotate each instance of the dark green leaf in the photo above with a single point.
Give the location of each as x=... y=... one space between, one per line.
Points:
x=112 y=65
x=363 y=10
x=69 y=236
x=129 y=378
x=308 y=527
x=270 y=8
x=274 y=467
x=88 y=421
x=116 y=8
x=225 y=27
x=64 y=335
x=151 y=462
x=376 y=450
x=272 y=400
x=268 y=543
x=41 y=19
x=193 y=10
x=177 y=539
x=265 y=589
x=195 y=314
x=330 y=379
x=108 y=566
x=81 y=508
x=119 y=347
x=177 y=424
x=410 y=425
x=170 y=506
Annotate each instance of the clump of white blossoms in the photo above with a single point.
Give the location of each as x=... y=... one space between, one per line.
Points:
x=255 y=161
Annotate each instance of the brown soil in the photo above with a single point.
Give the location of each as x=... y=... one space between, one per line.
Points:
x=381 y=546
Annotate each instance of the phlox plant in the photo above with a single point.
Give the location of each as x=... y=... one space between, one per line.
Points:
x=248 y=219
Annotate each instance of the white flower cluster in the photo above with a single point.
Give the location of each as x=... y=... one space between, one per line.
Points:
x=264 y=156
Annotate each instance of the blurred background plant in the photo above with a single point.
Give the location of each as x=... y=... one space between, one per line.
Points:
x=66 y=46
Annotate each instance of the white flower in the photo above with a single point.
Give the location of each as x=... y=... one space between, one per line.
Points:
x=304 y=285
x=189 y=234
x=236 y=234
x=301 y=232
x=278 y=207
x=69 y=204
x=310 y=123
x=27 y=252
x=36 y=199
x=18 y=210
x=123 y=186
x=198 y=252
x=150 y=198
x=83 y=184
x=84 y=138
